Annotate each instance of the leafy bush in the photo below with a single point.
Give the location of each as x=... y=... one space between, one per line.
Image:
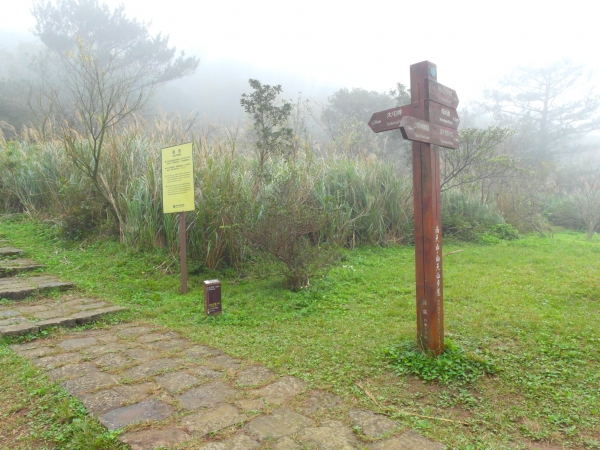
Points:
x=562 y=212
x=505 y=231
x=465 y=217
x=84 y=219
x=454 y=365
x=499 y=232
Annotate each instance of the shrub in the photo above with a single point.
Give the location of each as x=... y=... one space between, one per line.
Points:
x=84 y=213
x=465 y=217
x=287 y=225
x=504 y=231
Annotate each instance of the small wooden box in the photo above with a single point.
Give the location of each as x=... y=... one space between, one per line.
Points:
x=212 y=297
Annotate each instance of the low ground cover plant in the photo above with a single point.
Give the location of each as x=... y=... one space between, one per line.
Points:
x=454 y=365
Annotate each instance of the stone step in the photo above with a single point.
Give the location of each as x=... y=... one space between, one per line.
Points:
x=10 y=251
x=12 y=267
x=18 y=288
x=21 y=319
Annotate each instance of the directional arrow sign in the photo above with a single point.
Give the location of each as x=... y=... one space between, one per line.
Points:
x=423 y=131
x=441 y=115
x=388 y=119
x=440 y=94
x=433 y=112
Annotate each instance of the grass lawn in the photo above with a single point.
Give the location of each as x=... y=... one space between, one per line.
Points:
x=531 y=307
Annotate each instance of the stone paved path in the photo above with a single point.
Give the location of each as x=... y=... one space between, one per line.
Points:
x=164 y=390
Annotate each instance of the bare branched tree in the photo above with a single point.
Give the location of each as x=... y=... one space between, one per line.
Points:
x=478 y=161
x=109 y=66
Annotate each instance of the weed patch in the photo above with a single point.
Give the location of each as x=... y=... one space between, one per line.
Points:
x=454 y=365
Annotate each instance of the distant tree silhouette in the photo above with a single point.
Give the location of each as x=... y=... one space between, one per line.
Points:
x=552 y=105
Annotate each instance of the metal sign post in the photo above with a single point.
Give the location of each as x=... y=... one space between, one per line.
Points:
x=430 y=122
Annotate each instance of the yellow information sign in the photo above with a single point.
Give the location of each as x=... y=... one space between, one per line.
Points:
x=178 y=179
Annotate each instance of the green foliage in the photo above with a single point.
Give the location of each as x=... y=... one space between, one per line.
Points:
x=497 y=233
x=9 y=164
x=478 y=161
x=368 y=203
x=454 y=365
x=504 y=231
x=529 y=307
x=108 y=68
x=84 y=214
x=361 y=202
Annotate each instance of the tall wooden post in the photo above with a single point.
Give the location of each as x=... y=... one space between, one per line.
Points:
x=428 y=225
x=429 y=121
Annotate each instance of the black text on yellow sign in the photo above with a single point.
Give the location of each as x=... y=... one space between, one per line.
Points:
x=178 y=179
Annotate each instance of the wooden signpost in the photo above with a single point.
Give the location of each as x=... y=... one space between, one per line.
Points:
x=178 y=194
x=430 y=122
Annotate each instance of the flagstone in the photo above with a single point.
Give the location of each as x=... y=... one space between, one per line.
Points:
x=281 y=422
x=148 y=410
x=205 y=422
x=281 y=390
x=151 y=368
x=372 y=425
x=177 y=381
x=206 y=395
x=154 y=438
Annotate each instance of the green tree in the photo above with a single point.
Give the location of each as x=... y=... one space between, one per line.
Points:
x=110 y=66
x=346 y=115
x=273 y=136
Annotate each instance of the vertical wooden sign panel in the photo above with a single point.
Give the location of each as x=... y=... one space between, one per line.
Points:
x=428 y=226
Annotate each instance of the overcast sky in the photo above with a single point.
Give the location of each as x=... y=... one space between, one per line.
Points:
x=370 y=44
